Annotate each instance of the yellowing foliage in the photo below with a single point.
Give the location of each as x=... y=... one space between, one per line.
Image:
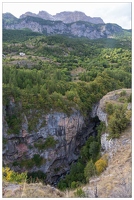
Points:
x=11 y=176
x=101 y=165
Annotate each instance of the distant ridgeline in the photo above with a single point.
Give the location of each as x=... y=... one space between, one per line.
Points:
x=73 y=24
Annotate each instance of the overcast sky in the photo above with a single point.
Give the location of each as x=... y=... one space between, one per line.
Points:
x=119 y=13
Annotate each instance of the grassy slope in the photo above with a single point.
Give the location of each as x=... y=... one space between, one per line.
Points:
x=116 y=179
x=32 y=190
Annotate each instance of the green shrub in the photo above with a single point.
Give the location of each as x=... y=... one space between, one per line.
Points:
x=122 y=99
x=37 y=160
x=91 y=149
x=50 y=142
x=12 y=176
x=117 y=122
x=33 y=176
x=79 y=193
x=14 y=123
x=109 y=108
x=123 y=93
x=129 y=100
x=62 y=185
x=89 y=170
x=74 y=185
x=101 y=129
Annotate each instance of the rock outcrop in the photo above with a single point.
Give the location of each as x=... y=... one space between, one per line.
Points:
x=56 y=140
x=112 y=97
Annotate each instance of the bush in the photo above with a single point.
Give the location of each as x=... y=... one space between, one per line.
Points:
x=109 y=108
x=74 y=184
x=101 y=165
x=101 y=128
x=94 y=150
x=123 y=93
x=129 y=100
x=34 y=176
x=89 y=170
x=12 y=176
x=62 y=185
x=79 y=193
x=50 y=142
x=38 y=160
x=118 y=122
x=90 y=149
x=74 y=178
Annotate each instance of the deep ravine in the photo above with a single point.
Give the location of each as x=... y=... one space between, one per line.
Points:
x=51 y=148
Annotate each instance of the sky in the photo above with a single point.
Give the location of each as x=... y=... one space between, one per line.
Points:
x=119 y=13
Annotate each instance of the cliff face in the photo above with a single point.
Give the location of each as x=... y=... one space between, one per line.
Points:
x=56 y=141
x=69 y=17
x=75 y=24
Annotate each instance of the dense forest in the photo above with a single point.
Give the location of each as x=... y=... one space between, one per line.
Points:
x=60 y=73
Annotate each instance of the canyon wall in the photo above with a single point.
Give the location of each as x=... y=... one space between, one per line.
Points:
x=51 y=147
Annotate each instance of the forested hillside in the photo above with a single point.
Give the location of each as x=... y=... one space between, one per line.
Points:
x=60 y=74
x=77 y=72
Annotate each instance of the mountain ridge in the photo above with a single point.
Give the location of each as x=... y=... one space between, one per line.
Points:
x=65 y=16
x=71 y=29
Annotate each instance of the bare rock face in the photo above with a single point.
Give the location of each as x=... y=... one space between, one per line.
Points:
x=109 y=145
x=69 y=17
x=66 y=17
x=67 y=134
x=45 y=15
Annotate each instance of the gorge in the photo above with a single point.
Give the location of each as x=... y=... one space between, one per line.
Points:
x=62 y=134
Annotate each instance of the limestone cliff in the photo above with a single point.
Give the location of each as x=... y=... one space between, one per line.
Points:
x=55 y=141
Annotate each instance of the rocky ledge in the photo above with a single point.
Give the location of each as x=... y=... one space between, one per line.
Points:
x=112 y=97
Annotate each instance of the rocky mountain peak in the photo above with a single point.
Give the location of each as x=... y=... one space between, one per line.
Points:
x=45 y=15
x=28 y=14
x=65 y=16
x=69 y=17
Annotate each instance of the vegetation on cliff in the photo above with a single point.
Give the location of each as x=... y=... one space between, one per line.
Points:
x=118 y=114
